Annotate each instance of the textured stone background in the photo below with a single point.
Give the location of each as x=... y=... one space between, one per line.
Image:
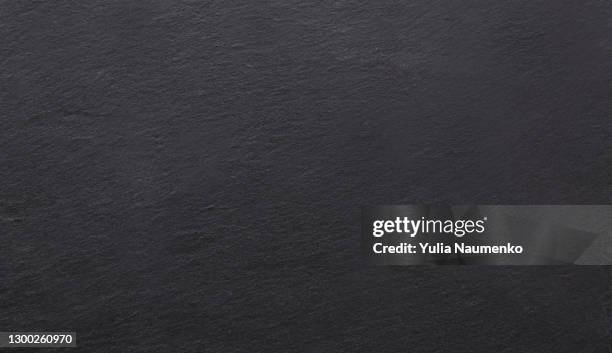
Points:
x=186 y=176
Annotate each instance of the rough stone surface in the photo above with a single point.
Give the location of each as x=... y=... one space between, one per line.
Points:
x=187 y=176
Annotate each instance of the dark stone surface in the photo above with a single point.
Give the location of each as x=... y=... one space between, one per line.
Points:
x=186 y=176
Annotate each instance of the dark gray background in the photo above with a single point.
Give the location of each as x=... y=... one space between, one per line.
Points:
x=187 y=176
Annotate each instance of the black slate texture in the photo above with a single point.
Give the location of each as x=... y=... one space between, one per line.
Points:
x=187 y=176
